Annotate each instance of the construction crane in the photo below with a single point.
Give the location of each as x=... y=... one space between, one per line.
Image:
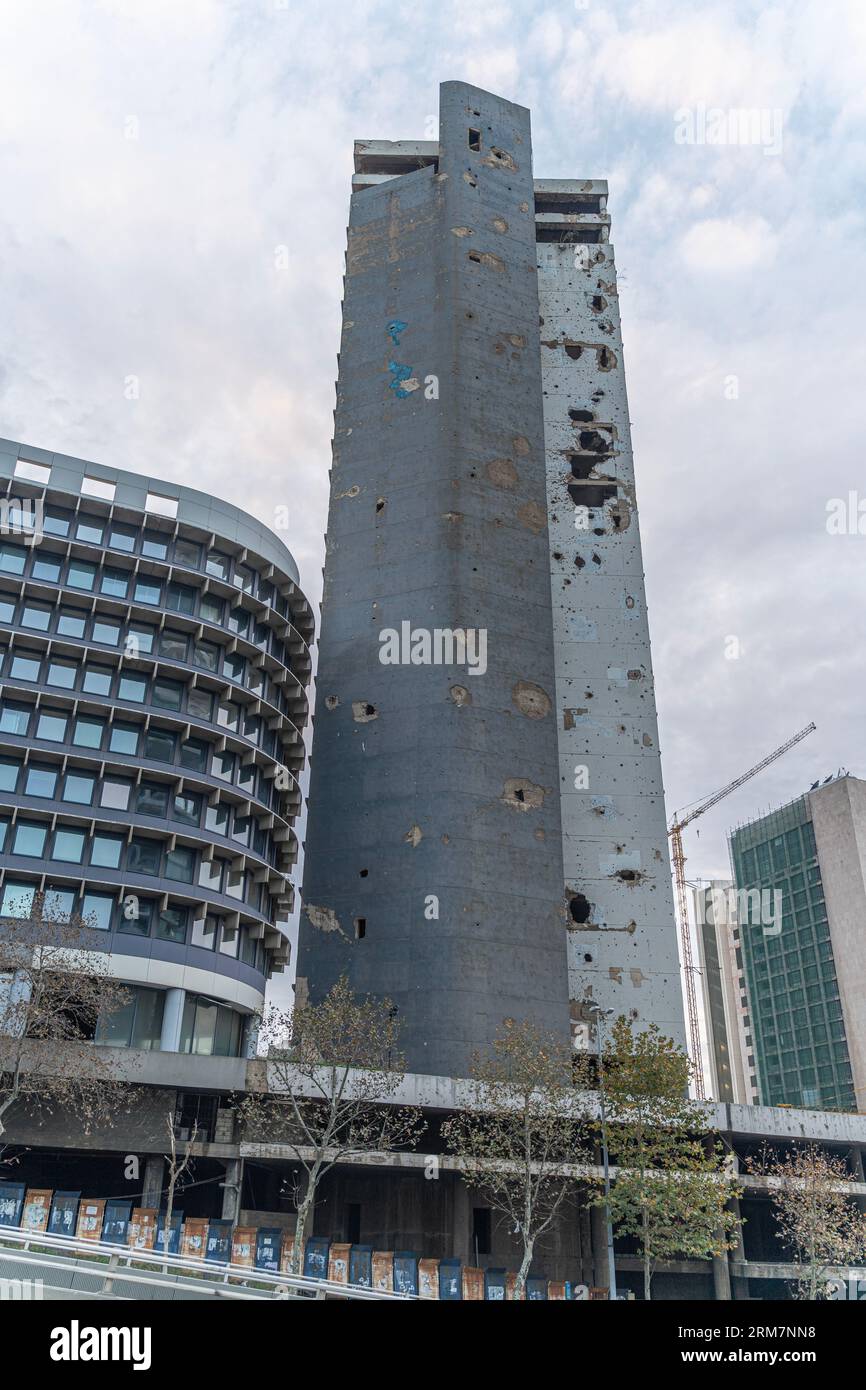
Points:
x=679 y=863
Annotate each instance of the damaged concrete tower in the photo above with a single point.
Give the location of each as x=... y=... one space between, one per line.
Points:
x=453 y=861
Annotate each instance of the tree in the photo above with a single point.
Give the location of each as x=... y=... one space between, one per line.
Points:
x=56 y=991
x=521 y=1135
x=816 y=1213
x=333 y=1069
x=177 y=1167
x=671 y=1187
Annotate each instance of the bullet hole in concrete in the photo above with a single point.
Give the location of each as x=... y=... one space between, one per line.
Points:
x=500 y=224
x=598 y=530
x=522 y=795
x=581 y=417
x=470 y=179
x=587 y=957
x=647 y=741
x=331 y=701
x=573 y=351
x=620 y=514
x=469 y=314
x=596 y=396
x=629 y=875
x=579 y=561
x=474 y=139
x=502 y=158
x=531 y=699
x=579 y=908
x=460 y=695
x=635 y=675
x=363 y=873
x=596 y=559
x=380 y=504
x=362 y=712
x=598 y=302
x=631 y=927
x=629 y=601
x=533 y=517
x=414 y=835
x=606 y=359
x=521 y=445
x=475 y=256
x=487 y=258
x=360 y=928
x=461 y=231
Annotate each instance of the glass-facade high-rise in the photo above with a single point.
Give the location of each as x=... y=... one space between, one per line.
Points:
x=801 y=1047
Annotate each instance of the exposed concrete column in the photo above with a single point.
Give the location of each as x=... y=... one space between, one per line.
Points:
x=252 y=1039
x=172 y=1017
x=14 y=995
x=739 y=1286
x=462 y=1224
x=721 y=1278
x=232 y=1186
x=154 y=1173
x=598 y=1224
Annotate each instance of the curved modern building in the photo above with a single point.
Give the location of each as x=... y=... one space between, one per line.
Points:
x=155 y=660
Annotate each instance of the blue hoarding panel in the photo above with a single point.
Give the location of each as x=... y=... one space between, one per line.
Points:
x=64 y=1214
x=174 y=1235
x=494 y=1285
x=115 y=1222
x=536 y=1289
x=316 y=1257
x=450 y=1285
x=268 y=1248
x=11 y=1203
x=218 y=1248
x=361 y=1266
x=405 y=1272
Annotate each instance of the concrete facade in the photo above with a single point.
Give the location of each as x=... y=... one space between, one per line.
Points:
x=481 y=411
x=728 y=1050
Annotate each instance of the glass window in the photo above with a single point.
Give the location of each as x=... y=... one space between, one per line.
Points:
x=171 y=924
x=210 y=874
x=239 y=620
x=162 y=505
x=247 y=776
x=248 y=947
x=7 y=610
x=89 y=529
x=25 y=668
x=41 y=781
x=187 y=553
x=217 y=819
x=193 y=755
x=180 y=598
x=78 y=787
x=62 y=673
x=115 y=793
x=51 y=727
x=123 y=738
x=81 y=574
x=211 y=609
x=152 y=799
x=14 y=719
x=55 y=522
x=139 y=639
x=148 y=591
x=242 y=829
x=229 y=942
x=96 y=909
x=132 y=688
x=137 y=915
x=234 y=666
x=9 y=769
x=105 y=851
x=115 y=583
x=71 y=622
x=206 y=654
x=173 y=645
x=255 y=682
x=227 y=716
x=223 y=765
x=36 y=617
x=12 y=559
x=88 y=731
x=59 y=903
x=147 y=1028
x=97 y=680
x=159 y=746
x=180 y=864
x=187 y=808
x=5 y=823
x=69 y=846
x=243 y=578
x=154 y=546
x=204 y=933
x=167 y=694
x=236 y=883
x=29 y=838
x=122 y=537
x=143 y=856
x=200 y=704
x=106 y=630
x=217 y=564
x=17 y=899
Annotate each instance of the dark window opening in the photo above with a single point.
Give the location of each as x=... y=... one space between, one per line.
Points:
x=567 y=236
x=474 y=139
x=567 y=204
x=353 y=1223
x=481 y=1231
x=579 y=908
x=362 y=873
x=581 y=417
x=360 y=927
x=591 y=495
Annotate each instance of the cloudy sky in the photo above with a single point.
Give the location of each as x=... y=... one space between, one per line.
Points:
x=175 y=179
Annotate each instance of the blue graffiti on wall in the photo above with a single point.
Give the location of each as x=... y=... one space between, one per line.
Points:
x=399 y=373
x=394 y=329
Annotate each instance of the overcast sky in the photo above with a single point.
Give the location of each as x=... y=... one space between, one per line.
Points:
x=175 y=179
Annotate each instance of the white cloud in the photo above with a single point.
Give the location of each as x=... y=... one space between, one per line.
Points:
x=728 y=246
